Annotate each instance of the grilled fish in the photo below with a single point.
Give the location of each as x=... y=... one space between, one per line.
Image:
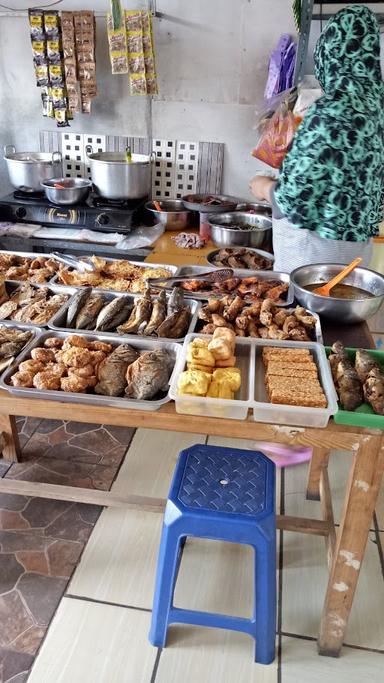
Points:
x=114 y=313
x=175 y=325
x=76 y=305
x=87 y=315
x=112 y=370
x=159 y=312
x=140 y=314
x=176 y=300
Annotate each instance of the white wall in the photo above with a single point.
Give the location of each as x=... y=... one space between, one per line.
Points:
x=212 y=58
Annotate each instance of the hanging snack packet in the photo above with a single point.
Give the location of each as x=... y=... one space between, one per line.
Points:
x=53 y=50
x=38 y=51
x=42 y=76
x=138 y=84
x=133 y=24
x=51 y=24
x=36 y=24
x=117 y=41
x=56 y=74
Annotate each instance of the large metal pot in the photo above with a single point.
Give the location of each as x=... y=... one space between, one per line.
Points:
x=115 y=178
x=27 y=170
x=342 y=310
x=238 y=229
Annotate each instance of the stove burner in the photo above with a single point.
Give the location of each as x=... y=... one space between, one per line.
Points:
x=29 y=196
x=96 y=200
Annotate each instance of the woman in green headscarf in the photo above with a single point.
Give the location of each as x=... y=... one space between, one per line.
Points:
x=328 y=200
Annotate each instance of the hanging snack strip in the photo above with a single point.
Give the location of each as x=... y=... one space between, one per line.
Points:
x=141 y=61
x=70 y=66
x=85 y=56
x=47 y=57
x=118 y=53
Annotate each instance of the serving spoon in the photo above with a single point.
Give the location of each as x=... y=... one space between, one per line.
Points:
x=324 y=290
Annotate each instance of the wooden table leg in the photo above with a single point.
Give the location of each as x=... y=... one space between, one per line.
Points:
x=319 y=460
x=359 y=505
x=11 y=447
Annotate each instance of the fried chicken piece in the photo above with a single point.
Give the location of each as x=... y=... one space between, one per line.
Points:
x=290 y=323
x=76 y=340
x=374 y=390
x=348 y=385
x=252 y=311
x=205 y=314
x=242 y=322
x=53 y=343
x=208 y=329
x=46 y=380
x=239 y=332
x=218 y=320
x=234 y=309
x=22 y=379
x=214 y=305
x=264 y=332
x=75 y=357
x=266 y=314
x=43 y=355
x=275 y=333
x=74 y=384
x=276 y=293
x=16 y=272
x=364 y=363
x=193 y=285
x=41 y=276
x=304 y=317
x=32 y=366
x=228 y=285
x=252 y=329
x=280 y=317
x=299 y=334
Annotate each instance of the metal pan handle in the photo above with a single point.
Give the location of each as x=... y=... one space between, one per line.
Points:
x=9 y=149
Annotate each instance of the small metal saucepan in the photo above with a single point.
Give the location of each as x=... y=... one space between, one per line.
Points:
x=67 y=191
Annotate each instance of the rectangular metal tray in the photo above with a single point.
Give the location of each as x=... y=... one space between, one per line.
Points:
x=58 y=321
x=363 y=416
x=90 y=399
x=264 y=411
x=31 y=255
x=11 y=285
x=190 y=271
x=172 y=269
x=236 y=409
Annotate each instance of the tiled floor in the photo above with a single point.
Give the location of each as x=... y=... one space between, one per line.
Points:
x=99 y=632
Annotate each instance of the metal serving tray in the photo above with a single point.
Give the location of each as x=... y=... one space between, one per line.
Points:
x=32 y=255
x=190 y=271
x=172 y=269
x=11 y=285
x=264 y=411
x=58 y=321
x=90 y=399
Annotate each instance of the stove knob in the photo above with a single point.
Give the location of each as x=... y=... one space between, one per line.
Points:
x=21 y=212
x=102 y=219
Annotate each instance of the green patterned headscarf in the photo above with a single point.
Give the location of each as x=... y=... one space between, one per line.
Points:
x=332 y=179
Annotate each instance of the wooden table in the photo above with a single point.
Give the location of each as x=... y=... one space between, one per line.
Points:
x=345 y=548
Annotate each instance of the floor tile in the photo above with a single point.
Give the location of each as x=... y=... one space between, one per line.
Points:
x=304 y=584
x=14 y=666
x=98 y=643
x=211 y=655
x=302 y=664
x=55 y=471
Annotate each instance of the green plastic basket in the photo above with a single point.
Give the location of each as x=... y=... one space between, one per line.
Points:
x=363 y=416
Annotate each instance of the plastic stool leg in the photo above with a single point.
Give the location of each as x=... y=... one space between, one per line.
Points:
x=265 y=608
x=167 y=569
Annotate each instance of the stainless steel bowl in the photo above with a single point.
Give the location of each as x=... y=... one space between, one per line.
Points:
x=74 y=190
x=173 y=214
x=342 y=310
x=255 y=207
x=259 y=235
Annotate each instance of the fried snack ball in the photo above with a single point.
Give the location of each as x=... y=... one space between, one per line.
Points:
x=46 y=380
x=100 y=346
x=76 y=340
x=86 y=371
x=22 y=379
x=53 y=343
x=57 y=369
x=74 y=384
x=43 y=355
x=97 y=356
x=75 y=357
x=32 y=366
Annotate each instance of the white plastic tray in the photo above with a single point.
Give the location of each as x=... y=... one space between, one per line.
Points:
x=217 y=407
x=264 y=411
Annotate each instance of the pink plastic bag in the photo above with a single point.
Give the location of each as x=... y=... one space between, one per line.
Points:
x=276 y=137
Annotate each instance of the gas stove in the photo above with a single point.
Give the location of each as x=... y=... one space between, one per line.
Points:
x=96 y=213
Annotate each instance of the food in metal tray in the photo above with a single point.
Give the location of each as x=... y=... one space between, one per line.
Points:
x=291 y=378
x=38 y=269
x=30 y=305
x=357 y=383
x=211 y=370
x=241 y=258
x=149 y=315
x=260 y=319
x=12 y=341
x=121 y=276
x=78 y=365
x=249 y=288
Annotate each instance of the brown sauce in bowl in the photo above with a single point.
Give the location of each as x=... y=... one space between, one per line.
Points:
x=343 y=291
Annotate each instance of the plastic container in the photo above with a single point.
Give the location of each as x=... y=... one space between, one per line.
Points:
x=217 y=407
x=90 y=399
x=363 y=416
x=264 y=411
x=58 y=322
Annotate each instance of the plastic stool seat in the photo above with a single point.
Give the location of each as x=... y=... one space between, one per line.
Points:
x=223 y=494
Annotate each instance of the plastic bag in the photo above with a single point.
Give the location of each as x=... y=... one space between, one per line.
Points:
x=276 y=137
x=263 y=115
x=141 y=237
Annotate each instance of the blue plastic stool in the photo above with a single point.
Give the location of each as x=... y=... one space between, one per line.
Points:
x=224 y=494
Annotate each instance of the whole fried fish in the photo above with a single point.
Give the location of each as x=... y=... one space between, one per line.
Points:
x=114 y=313
x=176 y=300
x=76 y=304
x=87 y=315
x=140 y=314
x=175 y=325
x=159 y=312
x=112 y=370
x=149 y=374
